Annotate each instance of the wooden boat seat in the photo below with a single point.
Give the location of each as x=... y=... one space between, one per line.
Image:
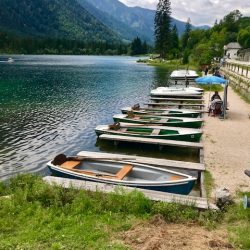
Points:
x=70 y=164
x=123 y=130
x=124 y=171
x=164 y=120
x=175 y=178
x=155 y=132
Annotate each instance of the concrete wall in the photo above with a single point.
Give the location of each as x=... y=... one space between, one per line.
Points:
x=239 y=76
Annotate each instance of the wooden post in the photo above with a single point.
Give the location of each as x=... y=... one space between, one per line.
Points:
x=225 y=101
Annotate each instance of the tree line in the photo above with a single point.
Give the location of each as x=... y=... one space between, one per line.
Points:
x=198 y=46
x=10 y=43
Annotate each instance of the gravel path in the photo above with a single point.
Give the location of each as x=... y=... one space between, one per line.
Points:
x=227 y=145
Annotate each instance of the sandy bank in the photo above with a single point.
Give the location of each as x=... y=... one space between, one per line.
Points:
x=227 y=145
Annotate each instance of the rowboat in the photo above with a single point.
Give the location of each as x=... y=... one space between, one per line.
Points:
x=156 y=132
x=176 y=87
x=124 y=173
x=160 y=120
x=175 y=92
x=162 y=112
x=183 y=74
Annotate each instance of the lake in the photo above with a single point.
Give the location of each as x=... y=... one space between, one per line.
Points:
x=51 y=105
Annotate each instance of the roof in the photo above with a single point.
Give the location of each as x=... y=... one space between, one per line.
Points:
x=233 y=46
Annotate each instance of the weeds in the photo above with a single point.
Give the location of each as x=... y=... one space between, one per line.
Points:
x=40 y=216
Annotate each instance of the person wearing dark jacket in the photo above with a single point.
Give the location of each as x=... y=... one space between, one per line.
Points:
x=215 y=96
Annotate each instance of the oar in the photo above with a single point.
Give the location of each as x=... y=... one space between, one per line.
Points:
x=82 y=158
x=138 y=125
x=60 y=159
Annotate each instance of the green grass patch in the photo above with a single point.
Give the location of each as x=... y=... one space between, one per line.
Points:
x=238 y=220
x=175 y=64
x=40 y=216
x=209 y=183
x=212 y=87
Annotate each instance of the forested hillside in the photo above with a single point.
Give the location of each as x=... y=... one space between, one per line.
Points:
x=140 y=20
x=203 y=45
x=52 y=18
x=122 y=29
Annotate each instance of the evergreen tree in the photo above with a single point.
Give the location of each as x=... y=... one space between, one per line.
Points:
x=175 y=38
x=163 y=27
x=144 y=48
x=136 y=47
x=186 y=34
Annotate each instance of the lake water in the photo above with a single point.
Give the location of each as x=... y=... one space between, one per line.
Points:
x=51 y=105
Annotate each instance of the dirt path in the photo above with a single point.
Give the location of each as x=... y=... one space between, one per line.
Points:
x=159 y=235
x=227 y=145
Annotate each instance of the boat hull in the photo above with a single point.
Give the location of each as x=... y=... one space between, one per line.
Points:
x=160 y=112
x=190 y=137
x=182 y=124
x=183 y=188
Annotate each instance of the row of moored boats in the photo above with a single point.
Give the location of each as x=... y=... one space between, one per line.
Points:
x=143 y=122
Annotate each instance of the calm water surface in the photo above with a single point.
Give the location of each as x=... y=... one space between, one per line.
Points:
x=51 y=105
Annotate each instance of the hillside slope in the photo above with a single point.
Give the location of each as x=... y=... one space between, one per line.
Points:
x=65 y=19
x=139 y=19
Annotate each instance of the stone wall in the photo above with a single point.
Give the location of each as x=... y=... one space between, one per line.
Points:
x=239 y=76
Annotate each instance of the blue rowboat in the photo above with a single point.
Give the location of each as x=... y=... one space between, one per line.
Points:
x=124 y=173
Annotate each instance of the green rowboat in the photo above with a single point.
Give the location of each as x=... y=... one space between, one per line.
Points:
x=163 y=112
x=159 y=120
x=156 y=132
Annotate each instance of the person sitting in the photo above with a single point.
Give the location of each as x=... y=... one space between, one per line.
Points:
x=215 y=96
x=216 y=104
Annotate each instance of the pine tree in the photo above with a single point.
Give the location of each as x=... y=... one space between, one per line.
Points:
x=136 y=47
x=144 y=48
x=175 y=38
x=163 y=27
x=186 y=34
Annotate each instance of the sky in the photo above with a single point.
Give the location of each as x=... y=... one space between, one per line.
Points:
x=201 y=12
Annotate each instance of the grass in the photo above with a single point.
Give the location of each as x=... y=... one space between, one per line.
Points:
x=40 y=216
x=209 y=183
x=244 y=98
x=213 y=87
x=238 y=221
x=169 y=64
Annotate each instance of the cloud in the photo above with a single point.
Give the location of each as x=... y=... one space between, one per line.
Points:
x=200 y=11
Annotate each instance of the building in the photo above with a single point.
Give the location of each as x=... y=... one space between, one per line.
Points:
x=231 y=50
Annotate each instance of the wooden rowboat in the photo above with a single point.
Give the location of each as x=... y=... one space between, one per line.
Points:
x=175 y=92
x=160 y=120
x=156 y=132
x=162 y=112
x=124 y=173
x=183 y=74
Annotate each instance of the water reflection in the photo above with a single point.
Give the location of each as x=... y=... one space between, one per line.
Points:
x=51 y=104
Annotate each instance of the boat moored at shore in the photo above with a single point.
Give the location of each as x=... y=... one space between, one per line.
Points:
x=160 y=120
x=162 y=112
x=150 y=131
x=125 y=173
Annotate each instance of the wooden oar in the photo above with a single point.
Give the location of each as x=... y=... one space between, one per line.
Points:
x=82 y=158
x=60 y=159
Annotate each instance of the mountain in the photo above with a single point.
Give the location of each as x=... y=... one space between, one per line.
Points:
x=65 y=19
x=122 y=29
x=138 y=19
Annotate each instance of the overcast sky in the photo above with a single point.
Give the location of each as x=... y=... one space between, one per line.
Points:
x=200 y=11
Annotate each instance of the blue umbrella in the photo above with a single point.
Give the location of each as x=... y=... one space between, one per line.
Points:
x=210 y=80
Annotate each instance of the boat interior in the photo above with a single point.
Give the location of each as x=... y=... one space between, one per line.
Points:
x=119 y=171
